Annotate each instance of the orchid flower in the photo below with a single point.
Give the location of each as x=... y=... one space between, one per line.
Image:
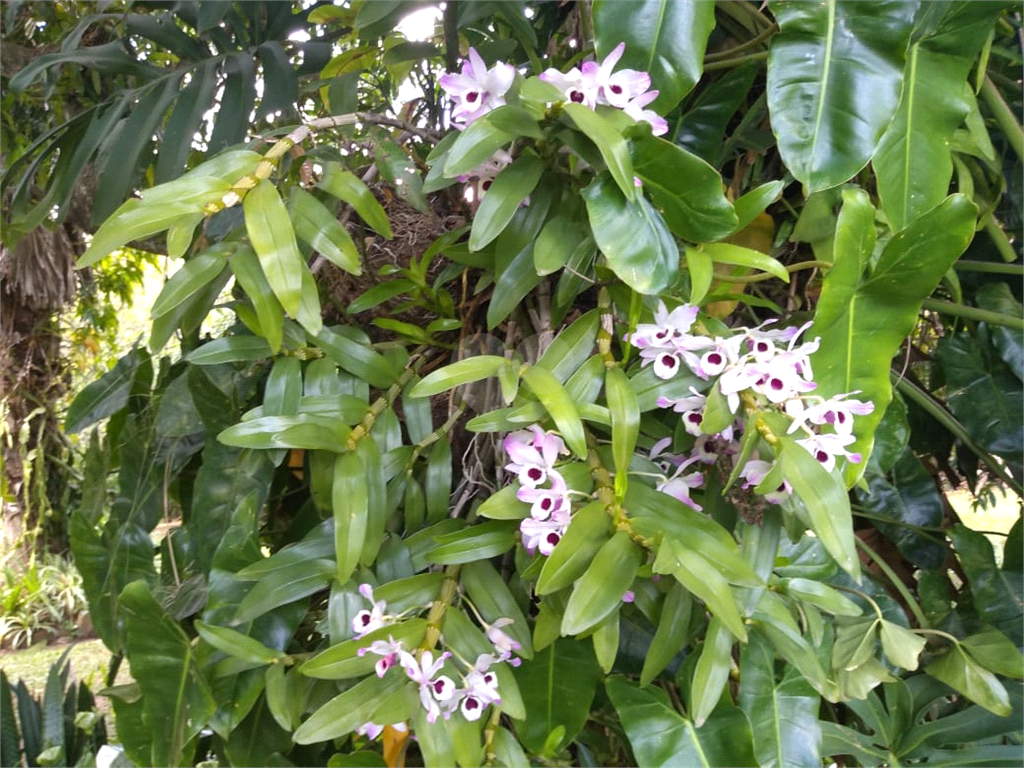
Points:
x=678 y=485
x=481 y=688
x=825 y=448
x=616 y=89
x=754 y=471
x=544 y=534
x=838 y=412
x=544 y=501
x=367 y=621
x=388 y=650
x=533 y=456
x=635 y=109
x=433 y=686
x=504 y=644
x=477 y=90
x=578 y=87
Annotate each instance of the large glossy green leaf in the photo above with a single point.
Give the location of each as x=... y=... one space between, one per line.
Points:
x=834 y=74
x=697 y=211
x=863 y=318
x=474 y=146
x=826 y=501
x=556 y=401
x=554 y=698
x=671 y=634
x=317 y=226
x=304 y=430
x=284 y=585
x=105 y=396
x=249 y=275
x=913 y=164
x=985 y=397
x=347 y=711
x=346 y=187
x=632 y=236
x=350 y=501
x=963 y=674
x=665 y=38
x=343 y=661
x=998 y=593
x=587 y=533
x=176 y=699
x=783 y=714
x=660 y=736
x=503 y=199
x=609 y=143
x=273 y=238
x=356 y=358
x=625 y=413
x=599 y=591
x=911 y=499
x=712 y=671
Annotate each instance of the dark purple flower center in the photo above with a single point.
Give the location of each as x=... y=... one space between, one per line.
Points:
x=489 y=678
x=776 y=384
x=438 y=686
x=715 y=359
x=364 y=618
x=840 y=417
x=821 y=456
x=486 y=184
x=576 y=97
x=472 y=96
x=668 y=361
x=694 y=418
x=534 y=474
x=553 y=538
x=471 y=703
x=616 y=89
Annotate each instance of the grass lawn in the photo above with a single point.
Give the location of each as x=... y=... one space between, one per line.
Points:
x=89 y=660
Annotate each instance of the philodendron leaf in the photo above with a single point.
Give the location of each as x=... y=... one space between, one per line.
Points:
x=660 y=736
x=913 y=164
x=665 y=38
x=176 y=699
x=834 y=76
x=697 y=211
x=963 y=674
x=783 y=714
x=993 y=650
x=863 y=318
x=632 y=236
x=554 y=699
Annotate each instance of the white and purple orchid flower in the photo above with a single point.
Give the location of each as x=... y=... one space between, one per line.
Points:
x=366 y=622
x=477 y=90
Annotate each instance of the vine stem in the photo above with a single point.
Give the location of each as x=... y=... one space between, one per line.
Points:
x=973 y=313
x=1000 y=240
x=791 y=268
x=751 y=43
x=992 y=267
x=922 y=620
x=946 y=419
x=1005 y=118
x=730 y=63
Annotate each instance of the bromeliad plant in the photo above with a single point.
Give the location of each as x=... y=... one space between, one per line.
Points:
x=650 y=493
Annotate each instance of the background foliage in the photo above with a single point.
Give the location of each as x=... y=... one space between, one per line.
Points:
x=854 y=164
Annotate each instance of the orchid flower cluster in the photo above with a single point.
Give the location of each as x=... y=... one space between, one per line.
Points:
x=477 y=90
x=532 y=455
x=596 y=84
x=773 y=365
x=439 y=694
